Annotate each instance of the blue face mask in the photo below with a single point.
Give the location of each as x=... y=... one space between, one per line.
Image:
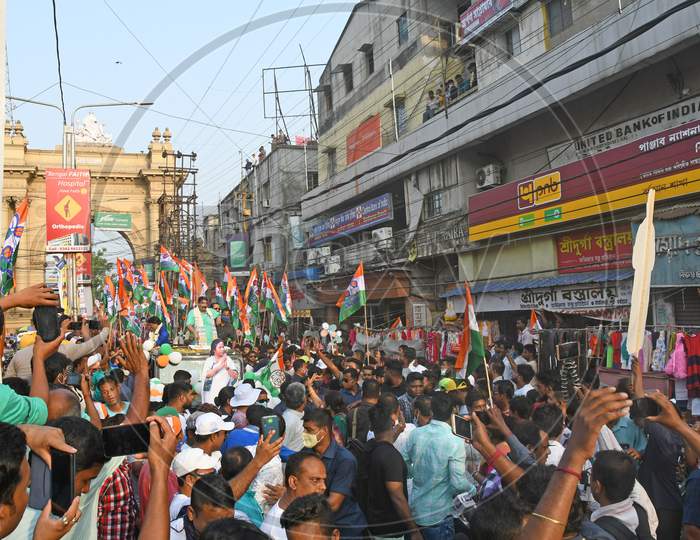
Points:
x=225 y=318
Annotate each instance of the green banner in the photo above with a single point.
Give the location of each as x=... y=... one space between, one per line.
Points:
x=238 y=254
x=109 y=221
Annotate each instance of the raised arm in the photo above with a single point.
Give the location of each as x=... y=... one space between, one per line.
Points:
x=42 y=350
x=263 y=454
x=135 y=361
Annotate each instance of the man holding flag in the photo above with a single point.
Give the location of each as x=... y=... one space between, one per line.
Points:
x=355 y=296
x=201 y=322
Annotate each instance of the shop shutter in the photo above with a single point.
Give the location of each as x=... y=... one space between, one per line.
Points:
x=687 y=307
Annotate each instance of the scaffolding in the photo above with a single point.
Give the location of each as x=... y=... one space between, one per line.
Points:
x=177 y=210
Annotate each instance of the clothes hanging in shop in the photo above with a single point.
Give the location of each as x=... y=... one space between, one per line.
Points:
x=693 y=348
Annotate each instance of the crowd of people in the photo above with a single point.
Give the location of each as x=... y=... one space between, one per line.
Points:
x=442 y=97
x=346 y=444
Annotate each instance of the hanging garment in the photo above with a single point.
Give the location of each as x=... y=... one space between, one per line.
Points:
x=615 y=342
x=659 y=356
x=624 y=355
x=693 y=347
x=609 y=356
x=677 y=365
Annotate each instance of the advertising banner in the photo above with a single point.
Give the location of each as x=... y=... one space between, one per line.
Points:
x=599 y=248
x=677 y=261
x=237 y=254
x=668 y=161
x=480 y=15
x=83 y=268
x=364 y=139
x=109 y=221
x=616 y=135
x=67 y=210
x=364 y=216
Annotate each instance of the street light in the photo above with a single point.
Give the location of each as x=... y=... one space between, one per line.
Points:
x=69 y=132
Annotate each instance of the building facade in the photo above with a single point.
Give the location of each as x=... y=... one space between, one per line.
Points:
x=527 y=179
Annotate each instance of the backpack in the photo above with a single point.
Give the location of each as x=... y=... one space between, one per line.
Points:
x=359 y=449
x=616 y=528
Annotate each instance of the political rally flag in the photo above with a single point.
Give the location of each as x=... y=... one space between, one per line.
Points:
x=109 y=297
x=354 y=297
x=286 y=295
x=167 y=262
x=252 y=298
x=534 y=322
x=274 y=304
x=398 y=323
x=219 y=296
x=471 y=346
x=272 y=375
x=10 y=247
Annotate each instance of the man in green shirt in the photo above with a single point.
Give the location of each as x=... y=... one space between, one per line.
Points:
x=202 y=321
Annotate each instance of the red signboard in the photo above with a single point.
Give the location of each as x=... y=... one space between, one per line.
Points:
x=67 y=210
x=480 y=15
x=599 y=248
x=667 y=161
x=83 y=267
x=364 y=139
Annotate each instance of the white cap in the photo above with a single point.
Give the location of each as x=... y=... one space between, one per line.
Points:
x=244 y=396
x=210 y=423
x=192 y=459
x=94 y=359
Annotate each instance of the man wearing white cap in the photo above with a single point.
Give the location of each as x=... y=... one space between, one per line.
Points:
x=243 y=397
x=188 y=466
x=209 y=434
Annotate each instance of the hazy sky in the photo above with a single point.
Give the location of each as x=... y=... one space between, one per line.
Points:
x=123 y=49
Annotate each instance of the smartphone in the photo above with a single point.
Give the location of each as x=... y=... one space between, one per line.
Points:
x=45 y=320
x=94 y=324
x=75 y=379
x=270 y=423
x=484 y=417
x=644 y=407
x=125 y=440
x=40 y=490
x=75 y=326
x=62 y=481
x=461 y=427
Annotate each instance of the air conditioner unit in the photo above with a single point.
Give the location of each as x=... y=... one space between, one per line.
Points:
x=488 y=176
x=324 y=252
x=266 y=203
x=382 y=237
x=311 y=256
x=332 y=264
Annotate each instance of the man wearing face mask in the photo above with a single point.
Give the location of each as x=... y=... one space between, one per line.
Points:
x=341 y=470
x=224 y=327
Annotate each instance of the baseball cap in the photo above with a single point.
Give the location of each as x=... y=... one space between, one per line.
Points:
x=244 y=396
x=210 y=423
x=448 y=385
x=192 y=459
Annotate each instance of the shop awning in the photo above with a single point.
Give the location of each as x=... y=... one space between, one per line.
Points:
x=531 y=282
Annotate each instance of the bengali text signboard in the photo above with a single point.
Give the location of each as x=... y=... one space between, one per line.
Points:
x=668 y=161
x=480 y=15
x=67 y=210
x=599 y=248
x=364 y=139
x=364 y=216
x=111 y=221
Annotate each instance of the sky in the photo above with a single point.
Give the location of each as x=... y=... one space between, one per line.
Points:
x=121 y=50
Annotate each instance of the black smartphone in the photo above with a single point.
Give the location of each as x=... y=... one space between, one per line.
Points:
x=74 y=379
x=93 y=324
x=75 y=326
x=270 y=423
x=40 y=490
x=45 y=319
x=125 y=440
x=62 y=481
x=644 y=407
x=461 y=427
x=484 y=417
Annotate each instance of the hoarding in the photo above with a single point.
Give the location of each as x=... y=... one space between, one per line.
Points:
x=668 y=161
x=598 y=248
x=366 y=215
x=237 y=254
x=480 y=15
x=67 y=210
x=364 y=139
x=110 y=221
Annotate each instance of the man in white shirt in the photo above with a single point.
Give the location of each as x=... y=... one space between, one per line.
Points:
x=523 y=379
x=188 y=466
x=524 y=335
x=550 y=419
x=305 y=474
x=295 y=399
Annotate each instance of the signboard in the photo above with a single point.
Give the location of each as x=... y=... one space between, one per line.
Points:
x=83 y=268
x=624 y=132
x=67 y=210
x=570 y=298
x=364 y=139
x=368 y=214
x=677 y=261
x=109 y=221
x=599 y=248
x=237 y=253
x=480 y=15
x=668 y=161
x=420 y=315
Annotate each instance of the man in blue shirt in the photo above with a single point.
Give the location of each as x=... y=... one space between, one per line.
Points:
x=341 y=470
x=350 y=392
x=436 y=461
x=158 y=329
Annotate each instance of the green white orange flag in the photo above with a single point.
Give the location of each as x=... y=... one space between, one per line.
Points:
x=10 y=247
x=275 y=303
x=355 y=296
x=534 y=322
x=286 y=295
x=167 y=262
x=471 y=346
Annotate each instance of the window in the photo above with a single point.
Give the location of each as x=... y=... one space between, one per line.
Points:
x=369 y=60
x=265 y=193
x=267 y=249
x=330 y=156
x=328 y=95
x=311 y=180
x=347 y=78
x=513 y=41
x=447 y=33
x=402 y=27
x=432 y=205
x=559 y=16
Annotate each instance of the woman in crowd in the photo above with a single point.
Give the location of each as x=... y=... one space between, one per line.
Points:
x=219 y=370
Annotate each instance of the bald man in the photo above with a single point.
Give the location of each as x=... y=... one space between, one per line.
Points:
x=63 y=402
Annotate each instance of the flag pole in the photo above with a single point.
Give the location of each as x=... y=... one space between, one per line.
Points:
x=488 y=380
x=366 y=336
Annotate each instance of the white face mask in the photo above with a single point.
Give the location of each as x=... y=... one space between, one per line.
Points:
x=443 y=372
